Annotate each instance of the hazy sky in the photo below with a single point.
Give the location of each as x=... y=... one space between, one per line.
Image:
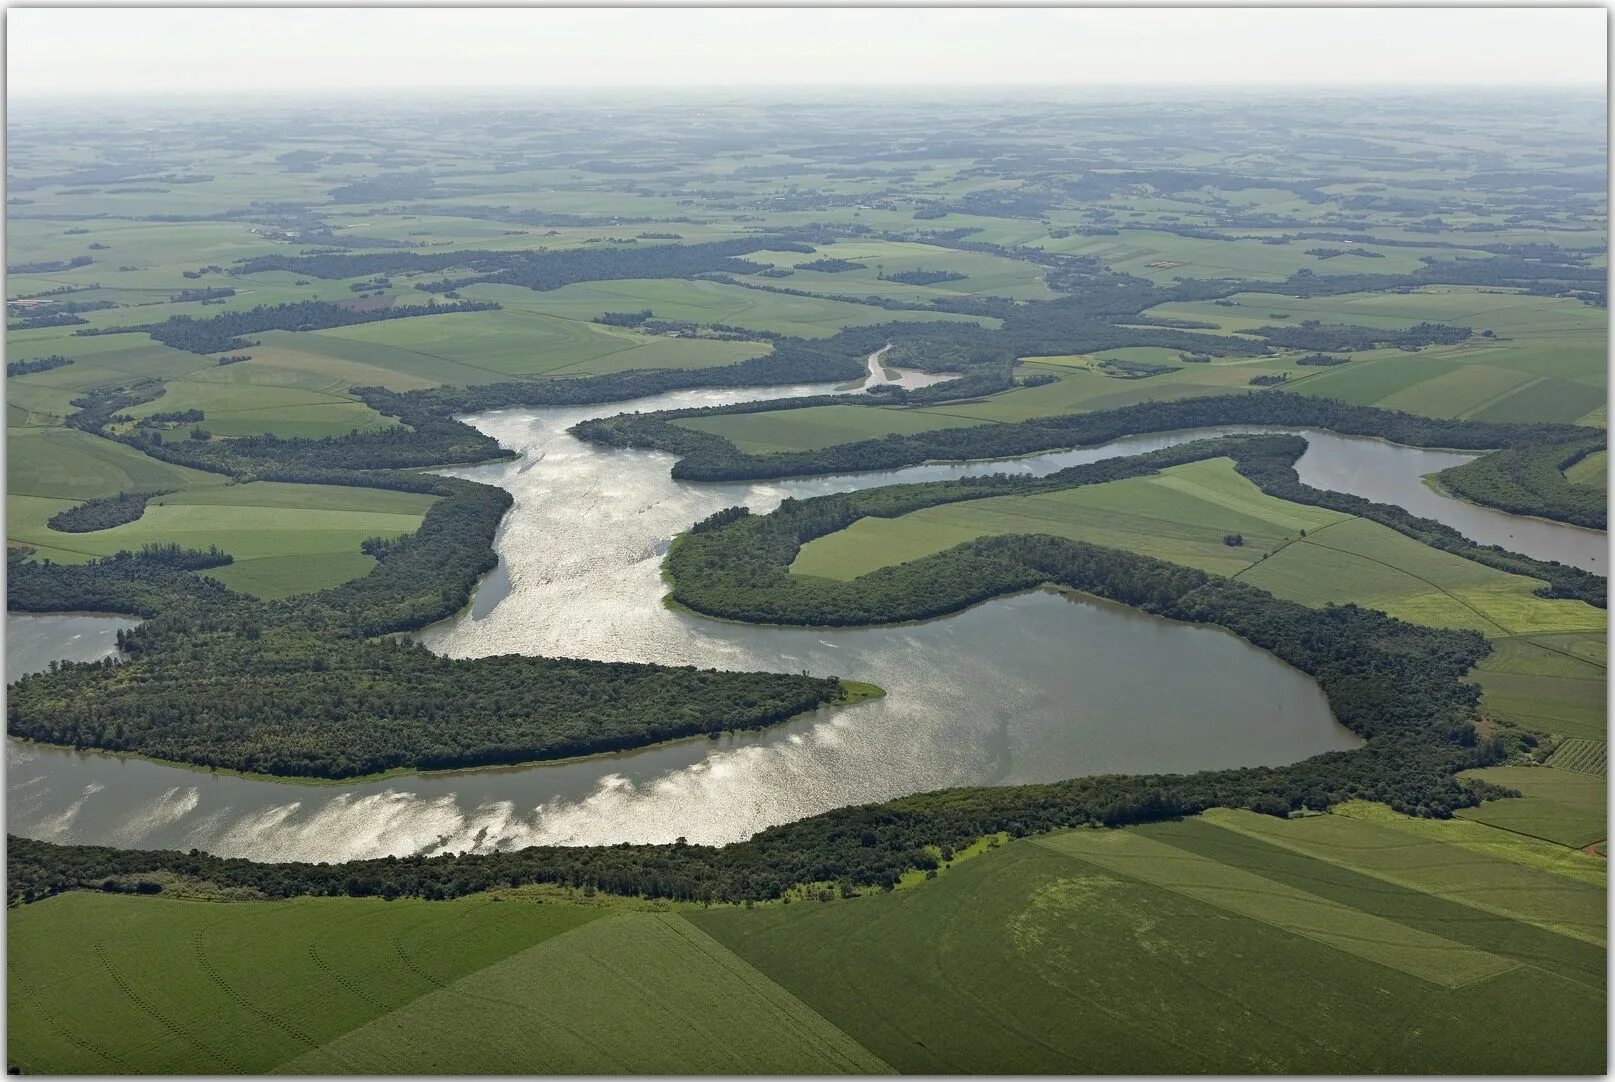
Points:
x=132 y=51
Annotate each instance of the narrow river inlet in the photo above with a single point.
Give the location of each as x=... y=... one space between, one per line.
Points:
x=1032 y=688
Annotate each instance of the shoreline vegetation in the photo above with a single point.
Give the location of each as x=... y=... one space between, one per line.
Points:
x=852 y=693
x=305 y=685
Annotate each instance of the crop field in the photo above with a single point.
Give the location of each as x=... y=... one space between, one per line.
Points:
x=1546 y=361
x=984 y=273
x=1582 y=756
x=183 y=987
x=239 y=404
x=1556 y=683
x=632 y=993
x=1181 y=515
x=1562 y=806
x=1079 y=388
x=1407 y=958
x=66 y=464
x=1133 y=251
x=702 y=302
x=1592 y=471
x=286 y=538
x=1373 y=565
x=1412 y=934
x=816 y=426
x=502 y=985
x=524 y=342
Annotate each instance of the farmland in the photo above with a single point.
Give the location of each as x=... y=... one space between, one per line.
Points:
x=1181 y=515
x=1185 y=513
x=404 y=366
x=1413 y=934
x=285 y=538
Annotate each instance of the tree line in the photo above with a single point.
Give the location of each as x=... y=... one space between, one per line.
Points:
x=1531 y=481
x=541 y=270
x=1398 y=685
x=224 y=331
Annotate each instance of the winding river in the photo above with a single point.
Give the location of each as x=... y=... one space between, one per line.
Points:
x=1031 y=688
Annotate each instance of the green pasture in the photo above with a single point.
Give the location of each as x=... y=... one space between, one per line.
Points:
x=285 y=538
x=703 y=302
x=1181 y=515
x=525 y=342
x=1546 y=361
x=1373 y=565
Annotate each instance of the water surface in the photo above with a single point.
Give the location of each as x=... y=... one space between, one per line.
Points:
x=1032 y=688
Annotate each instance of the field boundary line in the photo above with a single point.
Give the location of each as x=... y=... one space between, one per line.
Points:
x=782 y=998
x=1419 y=578
x=1293 y=540
x=1508 y=964
x=1405 y=884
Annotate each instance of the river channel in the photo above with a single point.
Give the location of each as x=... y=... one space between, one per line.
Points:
x=1031 y=688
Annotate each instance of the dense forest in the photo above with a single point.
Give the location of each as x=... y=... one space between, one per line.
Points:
x=311 y=686
x=541 y=270
x=1399 y=685
x=103 y=512
x=224 y=331
x=299 y=687
x=705 y=457
x=1531 y=481
x=42 y=364
x=285 y=701
x=736 y=566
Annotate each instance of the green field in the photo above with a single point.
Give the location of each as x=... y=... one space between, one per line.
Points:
x=1546 y=361
x=1592 y=471
x=1078 y=388
x=66 y=464
x=1183 y=514
x=984 y=273
x=286 y=538
x=1582 y=756
x=1562 y=806
x=1178 y=946
x=242 y=403
x=704 y=302
x=500 y=985
x=1180 y=515
x=1375 y=566
x=633 y=993
x=525 y=341
x=1556 y=683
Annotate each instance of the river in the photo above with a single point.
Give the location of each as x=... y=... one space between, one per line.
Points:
x=1031 y=688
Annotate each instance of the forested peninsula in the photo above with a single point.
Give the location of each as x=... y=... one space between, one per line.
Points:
x=312 y=686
